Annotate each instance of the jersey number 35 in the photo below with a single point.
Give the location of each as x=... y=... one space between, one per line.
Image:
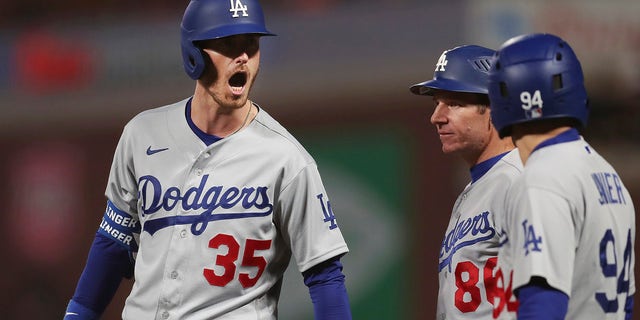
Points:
x=228 y=261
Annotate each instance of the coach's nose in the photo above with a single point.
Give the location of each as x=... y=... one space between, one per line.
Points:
x=439 y=115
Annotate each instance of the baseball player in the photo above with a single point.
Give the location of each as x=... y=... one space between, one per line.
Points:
x=570 y=222
x=209 y=198
x=467 y=268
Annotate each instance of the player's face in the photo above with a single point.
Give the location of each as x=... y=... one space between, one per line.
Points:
x=235 y=62
x=462 y=122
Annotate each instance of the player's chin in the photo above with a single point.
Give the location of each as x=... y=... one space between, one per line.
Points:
x=449 y=148
x=447 y=151
x=237 y=101
x=446 y=143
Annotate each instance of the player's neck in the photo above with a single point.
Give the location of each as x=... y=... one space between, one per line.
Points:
x=528 y=141
x=215 y=120
x=494 y=147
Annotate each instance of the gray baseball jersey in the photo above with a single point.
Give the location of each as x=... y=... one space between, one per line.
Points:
x=467 y=267
x=216 y=225
x=571 y=220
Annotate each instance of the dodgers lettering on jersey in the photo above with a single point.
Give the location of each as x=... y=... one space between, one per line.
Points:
x=465 y=233
x=155 y=198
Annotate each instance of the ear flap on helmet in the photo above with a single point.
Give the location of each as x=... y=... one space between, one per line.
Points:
x=193 y=60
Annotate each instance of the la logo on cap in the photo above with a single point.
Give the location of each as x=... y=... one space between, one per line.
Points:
x=442 y=62
x=237 y=7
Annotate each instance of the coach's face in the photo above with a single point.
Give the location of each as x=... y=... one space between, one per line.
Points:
x=233 y=66
x=463 y=123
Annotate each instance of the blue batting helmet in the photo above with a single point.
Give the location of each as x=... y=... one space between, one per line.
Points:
x=461 y=69
x=212 y=19
x=536 y=77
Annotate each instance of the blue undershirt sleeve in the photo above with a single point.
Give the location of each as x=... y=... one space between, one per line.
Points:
x=108 y=262
x=539 y=301
x=628 y=308
x=327 y=290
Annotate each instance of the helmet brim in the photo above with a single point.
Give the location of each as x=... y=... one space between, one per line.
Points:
x=232 y=30
x=430 y=86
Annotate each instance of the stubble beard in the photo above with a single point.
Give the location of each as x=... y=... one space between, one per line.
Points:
x=229 y=101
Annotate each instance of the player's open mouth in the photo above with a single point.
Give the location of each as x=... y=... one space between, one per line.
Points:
x=237 y=82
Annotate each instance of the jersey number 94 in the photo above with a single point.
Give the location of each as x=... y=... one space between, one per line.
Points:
x=609 y=266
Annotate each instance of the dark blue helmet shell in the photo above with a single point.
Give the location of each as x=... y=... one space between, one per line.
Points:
x=212 y=19
x=461 y=69
x=536 y=77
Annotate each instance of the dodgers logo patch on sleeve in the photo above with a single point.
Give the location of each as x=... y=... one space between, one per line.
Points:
x=531 y=240
x=119 y=226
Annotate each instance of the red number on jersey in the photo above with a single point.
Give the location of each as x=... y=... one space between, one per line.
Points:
x=228 y=261
x=249 y=260
x=468 y=296
x=502 y=294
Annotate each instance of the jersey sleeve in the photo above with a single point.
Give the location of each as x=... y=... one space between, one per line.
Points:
x=543 y=236
x=122 y=185
x=121 y=220
x=307 y=221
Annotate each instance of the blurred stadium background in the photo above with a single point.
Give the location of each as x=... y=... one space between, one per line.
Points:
x=73 y=72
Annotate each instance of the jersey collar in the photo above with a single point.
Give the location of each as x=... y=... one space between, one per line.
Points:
x=567 y=136
x=208 y=139
x=478 y=170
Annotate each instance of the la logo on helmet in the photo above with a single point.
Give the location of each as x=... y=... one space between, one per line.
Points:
x=442 y=62
x=236 y=7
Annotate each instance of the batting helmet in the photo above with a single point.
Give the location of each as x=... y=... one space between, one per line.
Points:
x=461 y=69
x=212 y=19
x=536 y=77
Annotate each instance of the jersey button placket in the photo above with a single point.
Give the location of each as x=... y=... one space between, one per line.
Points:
x=202 y=161
x=462 y=200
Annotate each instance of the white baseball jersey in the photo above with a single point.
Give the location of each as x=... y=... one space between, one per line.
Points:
x=468 y=265
x=571 y=220
x=217 y=224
